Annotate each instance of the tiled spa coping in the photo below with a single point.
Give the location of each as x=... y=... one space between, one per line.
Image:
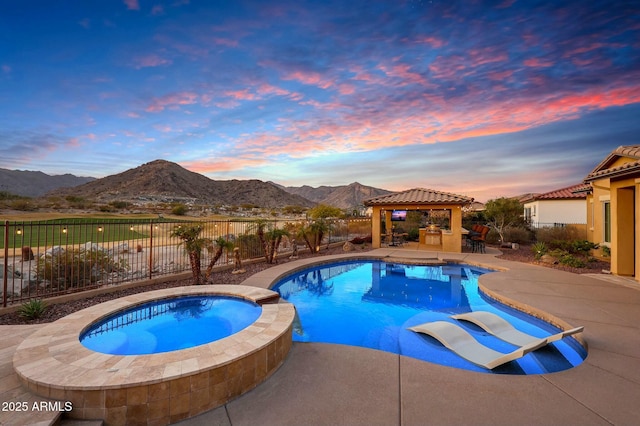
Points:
x=159 y=388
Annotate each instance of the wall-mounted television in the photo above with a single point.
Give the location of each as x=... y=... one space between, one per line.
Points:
x=399 y=215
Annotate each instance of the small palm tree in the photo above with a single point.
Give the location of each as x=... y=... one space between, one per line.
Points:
x=274 y=237
x=269 y=237
x=193 y=245
x=221 y=245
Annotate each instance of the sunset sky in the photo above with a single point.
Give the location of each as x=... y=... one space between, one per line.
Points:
x=480 y=98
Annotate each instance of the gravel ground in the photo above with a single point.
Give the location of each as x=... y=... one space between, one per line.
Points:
x=54 y=312
x=525 y=255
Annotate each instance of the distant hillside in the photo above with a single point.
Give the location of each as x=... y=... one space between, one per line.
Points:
x=36 y=184
x=162 y=180
x=345 y=196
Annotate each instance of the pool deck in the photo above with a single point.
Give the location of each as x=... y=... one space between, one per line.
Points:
x=324 y=384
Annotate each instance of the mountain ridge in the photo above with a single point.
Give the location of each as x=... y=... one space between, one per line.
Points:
x=165 y=181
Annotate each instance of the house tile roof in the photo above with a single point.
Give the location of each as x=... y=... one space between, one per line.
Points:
x=569 y=193
x=418 y=196
x=604 y=169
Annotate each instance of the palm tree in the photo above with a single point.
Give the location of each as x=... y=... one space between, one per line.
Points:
x=193 y=245
x=221 y=246
x=274 y=237
x=269 y=239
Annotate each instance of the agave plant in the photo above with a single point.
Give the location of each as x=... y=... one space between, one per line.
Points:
x=539 y=249
x=32 y=309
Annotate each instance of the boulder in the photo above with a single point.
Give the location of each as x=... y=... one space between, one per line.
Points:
x=548 y=259
x=348 y=246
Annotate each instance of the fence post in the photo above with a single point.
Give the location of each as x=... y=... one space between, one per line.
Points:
x=5 y=264
x=151 y=251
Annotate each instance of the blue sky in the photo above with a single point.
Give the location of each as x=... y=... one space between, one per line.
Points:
x=482 y=98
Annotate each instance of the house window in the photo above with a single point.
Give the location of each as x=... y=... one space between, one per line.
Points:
x=527 y=214
x=607 y=222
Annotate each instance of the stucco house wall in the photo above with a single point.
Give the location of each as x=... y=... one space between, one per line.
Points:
x=549 y=212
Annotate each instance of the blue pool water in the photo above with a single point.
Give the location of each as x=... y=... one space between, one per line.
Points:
x=170 y=324
x=372 y=303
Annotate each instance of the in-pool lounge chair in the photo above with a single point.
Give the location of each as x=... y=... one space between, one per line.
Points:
x=462 y=343
x=502 y=329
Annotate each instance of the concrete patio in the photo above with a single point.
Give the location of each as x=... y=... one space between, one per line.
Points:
x=323 y=384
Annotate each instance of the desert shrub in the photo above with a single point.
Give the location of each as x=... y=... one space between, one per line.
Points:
x=550 y=234
x=583 y=247
x=120 y=204
x=22 y=204
x=493 y=237
x=606 y=251
x=179 y=209
x=32 y=309
x=517 y=235
x=74 y=268
x=568 y=259
x=77 y=202
x=580 y=247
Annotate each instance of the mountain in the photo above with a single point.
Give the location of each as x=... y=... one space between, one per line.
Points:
x=162 y=180
x=35 y=184
x=344 y=196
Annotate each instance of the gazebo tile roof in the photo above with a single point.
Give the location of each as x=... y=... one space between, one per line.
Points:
x=418 y=196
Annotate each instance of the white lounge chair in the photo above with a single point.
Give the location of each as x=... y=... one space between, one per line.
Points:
x=504 y=330
x=464 y=344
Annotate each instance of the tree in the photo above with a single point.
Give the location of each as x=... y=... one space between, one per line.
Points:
x=503 y=213
x=221 y=245
x=270 y=238
x=193 y=245
x=323 y=211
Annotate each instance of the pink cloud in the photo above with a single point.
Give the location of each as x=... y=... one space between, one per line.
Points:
x=132 y=4
x=500 y=75
x=157 y=10
x=432 y=41
x=537 y=63
x=225 y=42
x=172 y=101
x=310 y=78
x=243 y=95
x=405 y=74
x=151 y=60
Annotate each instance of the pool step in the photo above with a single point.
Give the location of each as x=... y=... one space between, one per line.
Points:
x=32 y=415
x=19 y=402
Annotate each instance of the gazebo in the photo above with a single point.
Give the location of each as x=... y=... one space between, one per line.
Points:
x=439 y=215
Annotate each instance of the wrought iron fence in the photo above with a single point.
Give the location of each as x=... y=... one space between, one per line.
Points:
x=42 y=259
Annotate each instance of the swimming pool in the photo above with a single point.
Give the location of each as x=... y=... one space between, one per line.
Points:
x=372 y=303
x=170 y=325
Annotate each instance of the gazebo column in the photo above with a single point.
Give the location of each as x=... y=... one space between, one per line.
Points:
x=452 y=240
x=376 y=228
